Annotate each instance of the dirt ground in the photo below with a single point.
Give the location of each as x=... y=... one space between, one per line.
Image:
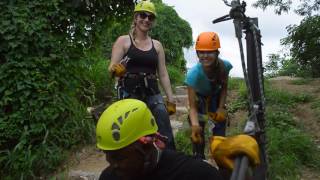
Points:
x=90 y=161
x=303 y=113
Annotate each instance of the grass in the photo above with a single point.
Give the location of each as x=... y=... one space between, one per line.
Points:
x=183 y=142
x=302 y=81
x=288 y=146
x=316 y=107
x=277 y=97
x=234 y=83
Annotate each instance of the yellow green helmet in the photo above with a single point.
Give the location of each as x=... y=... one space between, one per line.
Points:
x=145 y=6
x=124 y=122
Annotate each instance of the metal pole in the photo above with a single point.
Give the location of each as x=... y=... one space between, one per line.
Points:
x=236 y=168
x=243 y=168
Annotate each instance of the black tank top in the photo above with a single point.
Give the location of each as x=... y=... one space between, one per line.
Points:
x=141 y=61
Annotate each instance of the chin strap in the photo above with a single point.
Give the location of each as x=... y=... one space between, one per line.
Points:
x=151 y=159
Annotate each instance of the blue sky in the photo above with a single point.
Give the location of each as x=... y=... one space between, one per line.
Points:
x=200 y=13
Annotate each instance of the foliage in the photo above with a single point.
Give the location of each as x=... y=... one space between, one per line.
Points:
x=286 y=99
x=288 y=146
x=316 y=107
x=306 y=7
x=302 y=81
x=290 y=68
x=44 y=85
x=234 y=83
x=99 y=78
x=284 y=66
x=176 y=77
x=305 y=43
x=176 y=35
x=240 y=102
x=272 y=66
x=183 y=142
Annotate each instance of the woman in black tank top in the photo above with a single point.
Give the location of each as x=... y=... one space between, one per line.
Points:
x=138 y=62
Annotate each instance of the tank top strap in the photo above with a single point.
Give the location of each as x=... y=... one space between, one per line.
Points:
x=130 y=39
x=153 y=47
x=130 y=47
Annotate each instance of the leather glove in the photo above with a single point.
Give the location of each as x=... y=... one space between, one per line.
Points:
x=196 y=134
x=219 y=116
x=118 y=70
x=171 y=107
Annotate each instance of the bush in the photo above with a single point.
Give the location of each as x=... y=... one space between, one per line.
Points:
x=183 y=142
x=176 y=77
x=102 y=83
x=44 y=85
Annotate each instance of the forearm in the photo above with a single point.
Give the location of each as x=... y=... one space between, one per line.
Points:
x=193 y=115
x=166 y=85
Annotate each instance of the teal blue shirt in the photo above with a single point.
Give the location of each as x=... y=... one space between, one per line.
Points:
x=198 y=80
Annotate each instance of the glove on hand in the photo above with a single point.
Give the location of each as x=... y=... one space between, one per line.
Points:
x=118 y=70
x=171 y=107
x=196 y=134
x=219 y=116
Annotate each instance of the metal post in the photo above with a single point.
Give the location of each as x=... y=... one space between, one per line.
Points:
x=236 y=168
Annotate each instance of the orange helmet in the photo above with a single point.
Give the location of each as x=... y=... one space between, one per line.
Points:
x=208 y=41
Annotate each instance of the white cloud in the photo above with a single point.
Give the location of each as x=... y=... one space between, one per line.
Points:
x=200 y=13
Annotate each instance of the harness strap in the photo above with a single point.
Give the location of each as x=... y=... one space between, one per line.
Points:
x=140 y=75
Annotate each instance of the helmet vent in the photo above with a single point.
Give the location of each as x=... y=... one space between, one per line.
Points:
x=152 y=121
x=116 y=135
x=126 y=115
x=120 y=120
x=133 y=110
x=115 y=126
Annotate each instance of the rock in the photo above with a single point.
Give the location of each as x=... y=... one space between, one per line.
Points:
x=81 y=175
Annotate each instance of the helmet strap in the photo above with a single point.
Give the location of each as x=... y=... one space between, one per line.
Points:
x=151 y=155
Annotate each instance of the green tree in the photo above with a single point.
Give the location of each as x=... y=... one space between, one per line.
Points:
x=306 y=7
x=44 y=47
x=305 y=44
x=174 y=33
x=272 y=66
x=303 y=39
x=49 y=52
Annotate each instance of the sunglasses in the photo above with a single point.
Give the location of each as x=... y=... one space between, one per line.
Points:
x=203 y=54
x=144 y=15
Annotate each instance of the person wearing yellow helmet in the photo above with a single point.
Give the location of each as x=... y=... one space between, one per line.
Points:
x=207 y=91
x=127 y=133
x=138 y=61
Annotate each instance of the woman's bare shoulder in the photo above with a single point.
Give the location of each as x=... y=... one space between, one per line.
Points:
x=157 y=44
x=123 y=41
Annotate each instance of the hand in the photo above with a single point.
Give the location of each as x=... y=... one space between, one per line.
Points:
x=118 y=70
x=219 y=115
x=196 y=134
x=171 y=107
